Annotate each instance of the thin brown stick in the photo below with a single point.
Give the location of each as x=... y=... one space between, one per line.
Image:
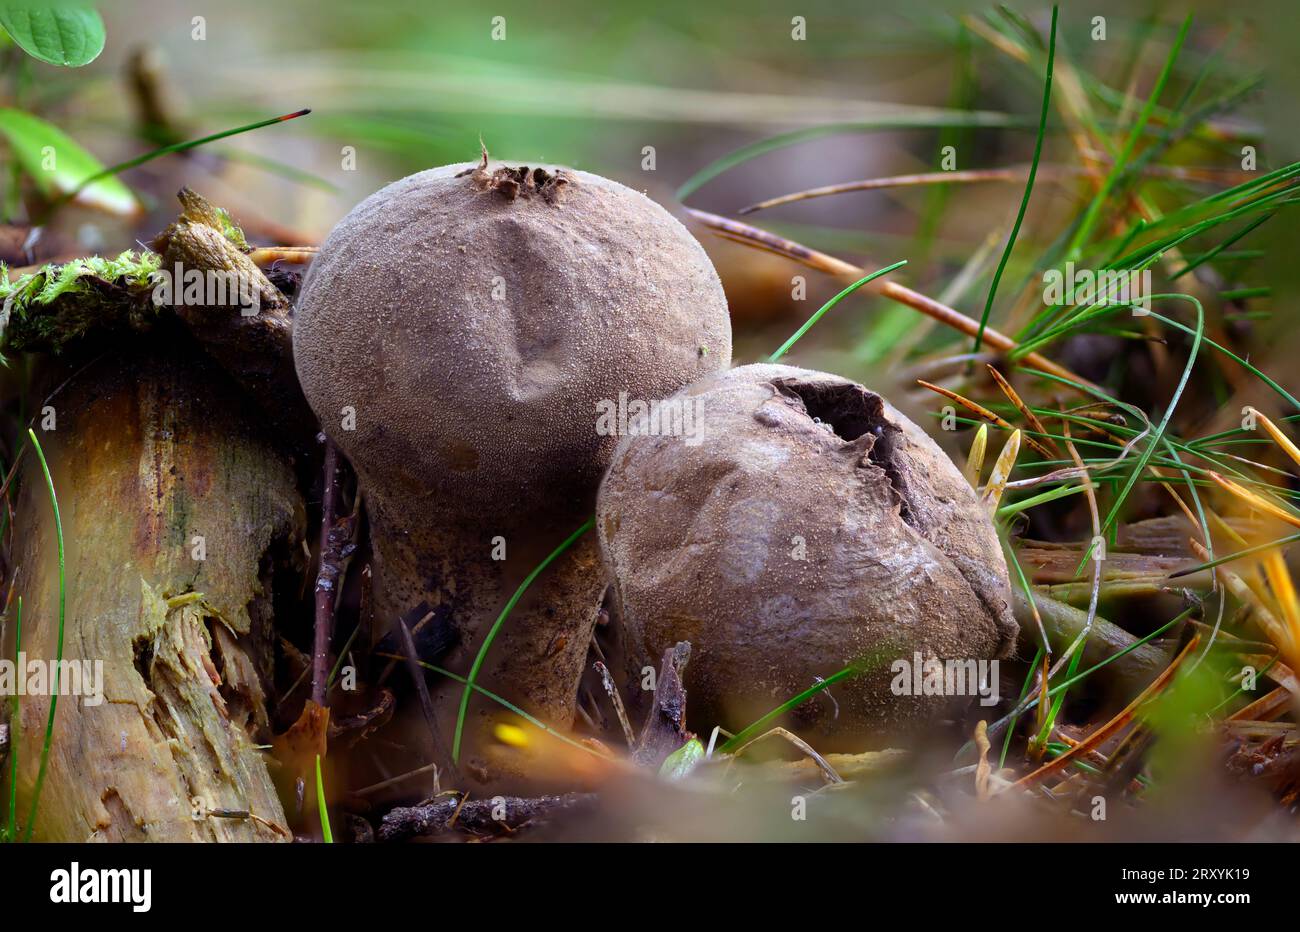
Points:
x=1015 y=173
x=393 y=781
x=749 y=235
x=327 y=579
x=412 y=658
x=616 y=700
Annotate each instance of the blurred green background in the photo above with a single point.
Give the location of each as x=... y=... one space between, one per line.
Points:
x=876 y=90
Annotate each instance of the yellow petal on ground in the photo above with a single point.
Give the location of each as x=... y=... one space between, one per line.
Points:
x=512 y=735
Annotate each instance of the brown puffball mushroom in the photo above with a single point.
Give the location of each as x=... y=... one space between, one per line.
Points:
x=807 y=527
x=455 y=336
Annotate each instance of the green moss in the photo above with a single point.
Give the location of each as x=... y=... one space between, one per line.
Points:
x=231 y=231
x=44 y=309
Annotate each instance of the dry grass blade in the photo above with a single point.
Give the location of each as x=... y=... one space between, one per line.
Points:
x=828 y=772
x=749 y=235
x=1002 y=467
x=975 y=461
x=1012 y=174
x=978 y=409
x=1029 y=416
x=1115 y=724
x=982 y=768
x=1256 y=501
x=894 y=181
x=294 y=255
x=1281 y=439
x=1279 y=580
x=616 y=700
x=1256 y=602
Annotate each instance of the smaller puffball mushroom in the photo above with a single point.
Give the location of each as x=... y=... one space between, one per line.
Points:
x=811 y=528
x=459 y=335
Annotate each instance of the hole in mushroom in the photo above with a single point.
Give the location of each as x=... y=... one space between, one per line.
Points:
x=852 y=412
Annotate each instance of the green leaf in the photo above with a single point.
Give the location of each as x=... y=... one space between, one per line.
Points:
x=682 y=761
x=59 y=165
x=67 y=34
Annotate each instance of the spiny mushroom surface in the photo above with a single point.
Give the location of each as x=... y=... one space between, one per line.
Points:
x=456 y=336
x=813 y=527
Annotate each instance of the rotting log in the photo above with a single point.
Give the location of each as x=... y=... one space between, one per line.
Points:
x=1064 y=623
x=177 y=513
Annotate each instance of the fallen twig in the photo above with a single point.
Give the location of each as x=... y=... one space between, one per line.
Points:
x=500 y=815
x=761 y=239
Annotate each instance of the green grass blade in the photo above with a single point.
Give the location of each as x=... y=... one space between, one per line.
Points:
x=1024 y=691
x=320 y=804
x=808 y=324
x=496 y=627
x=884 y=124
x=530 y=719
x=63 y=592
x=750 y=731
x=1237 y=555
x=1029 y=187
x=180 y=147
x=1084 y=230
x=11 y=829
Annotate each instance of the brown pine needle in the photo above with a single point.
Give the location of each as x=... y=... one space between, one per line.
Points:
x=1115 y=724
x=1264 y=709
x=1015 y=173
x=748 y=235
x=1255 y=600
x=1044 y=698
x=1255 y=501
x=1029 y=415
x=1281 y=439
x=1279 y=580
x=980 y=411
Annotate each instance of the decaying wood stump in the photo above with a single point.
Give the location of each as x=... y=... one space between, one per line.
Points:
x=177 y=511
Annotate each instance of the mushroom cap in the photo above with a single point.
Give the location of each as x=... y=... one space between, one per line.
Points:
x=812 y=527
x=473 y=319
